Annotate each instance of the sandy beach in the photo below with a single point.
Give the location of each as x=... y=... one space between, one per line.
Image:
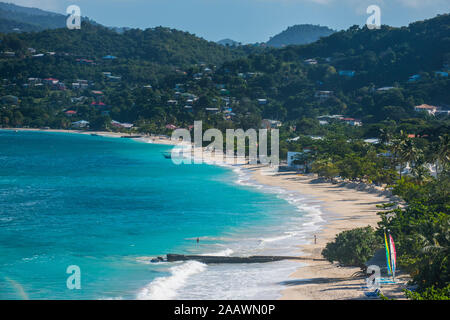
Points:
x=344 y=208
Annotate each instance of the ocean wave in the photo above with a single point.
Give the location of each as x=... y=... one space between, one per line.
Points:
x=165 y=288
x=198 y=282
x=287 y=235
x=223 y=253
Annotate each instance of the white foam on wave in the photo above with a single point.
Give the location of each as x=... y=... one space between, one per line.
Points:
x=223 y=253
x=287 y=235
x=312 y=213
x=258 y=281
x=165 y=288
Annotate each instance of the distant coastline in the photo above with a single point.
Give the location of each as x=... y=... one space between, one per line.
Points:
x=156 y=139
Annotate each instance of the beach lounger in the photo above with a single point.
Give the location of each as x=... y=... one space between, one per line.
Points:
x=373 y=294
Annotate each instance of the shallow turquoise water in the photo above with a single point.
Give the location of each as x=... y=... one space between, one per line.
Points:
x=103 y=204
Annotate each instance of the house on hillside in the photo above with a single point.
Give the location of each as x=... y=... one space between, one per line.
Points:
x=323 y=95
x=171 y=127
x=262 y=102
x=109 y=57
x=383 y=89
x=212 y=110
x=352 y=122
x=85 y=62
x=414 y=78
x=347 y=73
x=80 y=124
x=50 y=81
x=70 y=113
x=325 y=119
x=299 y=160
x=310 y=61
x=431 y=110
x=99 y=105
x=441 y=74
x=114 y=78
x=120 y=125
x=78 y=99
x=270 y=124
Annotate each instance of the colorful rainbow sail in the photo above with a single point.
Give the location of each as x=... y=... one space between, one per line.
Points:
x=388 y=255
x=391 y=254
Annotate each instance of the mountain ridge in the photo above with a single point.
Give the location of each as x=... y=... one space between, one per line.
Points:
x=299 y=34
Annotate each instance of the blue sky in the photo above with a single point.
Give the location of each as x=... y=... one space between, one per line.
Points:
x=246 y=21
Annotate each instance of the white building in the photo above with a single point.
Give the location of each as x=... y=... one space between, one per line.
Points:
x=80 y=124
x=291 y=157
x=425 y=107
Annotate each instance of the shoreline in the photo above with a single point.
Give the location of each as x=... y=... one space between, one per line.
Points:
x=152 y=139
x=343 y=208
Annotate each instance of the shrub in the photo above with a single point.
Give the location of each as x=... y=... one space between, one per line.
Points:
x=429 y=294
x=352 y=247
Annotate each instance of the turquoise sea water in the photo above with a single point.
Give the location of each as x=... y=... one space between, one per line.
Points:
x=106 y=205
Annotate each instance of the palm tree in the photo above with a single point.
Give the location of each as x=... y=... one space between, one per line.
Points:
x=409 y=153
x=443 y=152
x=420 y=173
x=397 y=148
x=385 y=136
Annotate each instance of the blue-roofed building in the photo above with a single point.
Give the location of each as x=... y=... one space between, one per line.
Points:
x=347 y=73
x=414 y=78
x=109 y=57
x=441 y=73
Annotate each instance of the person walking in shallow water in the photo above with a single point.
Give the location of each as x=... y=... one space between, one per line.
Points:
x=198 y=240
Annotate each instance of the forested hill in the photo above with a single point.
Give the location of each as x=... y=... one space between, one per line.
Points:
x=158 y=45
x=299 y=34
x=370 y=75
x=381 y=57
x=385 y=55
x=15 y=18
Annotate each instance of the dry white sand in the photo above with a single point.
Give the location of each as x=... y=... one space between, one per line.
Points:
x=344 y=209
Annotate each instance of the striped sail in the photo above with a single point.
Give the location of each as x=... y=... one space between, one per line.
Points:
x=388 y=255
x=393 y=255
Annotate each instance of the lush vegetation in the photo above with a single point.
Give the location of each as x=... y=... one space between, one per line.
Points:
x=238 y=77
x=430 y=294
x=352 y=247
x=420 y=226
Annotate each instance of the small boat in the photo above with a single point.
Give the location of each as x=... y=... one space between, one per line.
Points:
x=167 y=155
